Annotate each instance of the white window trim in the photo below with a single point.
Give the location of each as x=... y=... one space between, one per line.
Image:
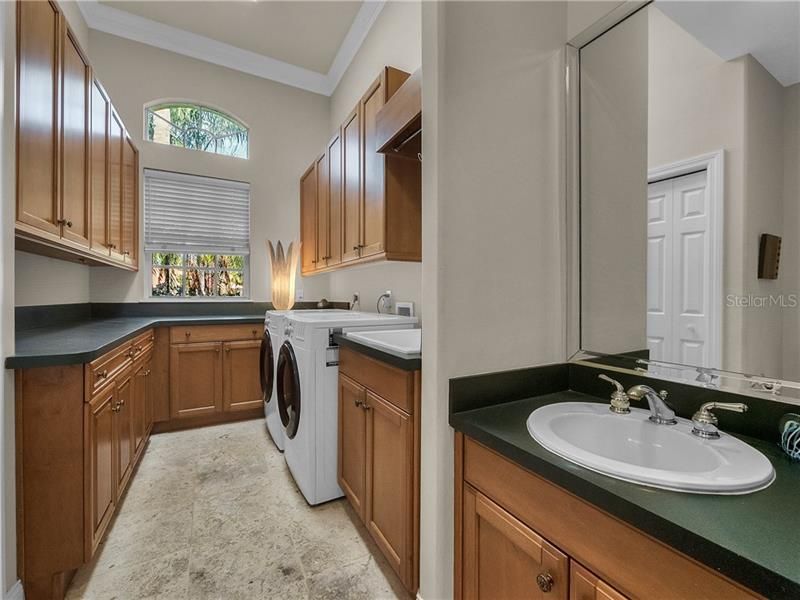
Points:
x=148 y=286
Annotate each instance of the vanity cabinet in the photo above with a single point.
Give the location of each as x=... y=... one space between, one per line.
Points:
x=361 y=205
x=77 y=169
x=378 y=459
x=520 y=536
x=214 y=370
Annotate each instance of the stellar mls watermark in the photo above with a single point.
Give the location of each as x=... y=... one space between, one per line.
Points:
x=754 y=301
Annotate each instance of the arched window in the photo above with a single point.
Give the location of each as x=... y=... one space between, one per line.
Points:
x=197 y=127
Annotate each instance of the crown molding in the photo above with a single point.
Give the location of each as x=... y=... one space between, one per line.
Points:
x=114 y=21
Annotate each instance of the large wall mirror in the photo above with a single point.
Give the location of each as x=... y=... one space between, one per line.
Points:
x=689 y=193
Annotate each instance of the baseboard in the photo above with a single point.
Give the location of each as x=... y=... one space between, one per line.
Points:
x=16 y=592
x=206 y=420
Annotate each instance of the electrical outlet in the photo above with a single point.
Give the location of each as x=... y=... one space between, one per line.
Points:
x=298 y=294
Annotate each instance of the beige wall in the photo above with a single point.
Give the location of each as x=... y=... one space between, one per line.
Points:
x=8 y=538
x=613 y=123
x=493 y=220
x=287 y=127
x=790 y=255
x=394 y=40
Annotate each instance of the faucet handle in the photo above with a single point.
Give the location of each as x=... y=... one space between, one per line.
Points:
x=620 y=403
x=704 y=422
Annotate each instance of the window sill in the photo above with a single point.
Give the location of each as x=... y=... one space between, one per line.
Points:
x=199 y=299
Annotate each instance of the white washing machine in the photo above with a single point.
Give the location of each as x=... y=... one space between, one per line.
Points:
x=307 y=388
x=274 y=334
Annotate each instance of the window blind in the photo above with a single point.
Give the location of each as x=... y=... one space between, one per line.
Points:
x=188 y=213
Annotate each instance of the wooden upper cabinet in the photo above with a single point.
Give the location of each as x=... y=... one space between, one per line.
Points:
x=130 y=200
x=352 y=458
x=115 y=146
x=38 y=30
x=503 y=558
x=195 y=379
x=335 y=201
x=323 y=211
x=351 y=187
x=373 y=206
x=100 y=455
x=585 y=585
x=75 y=89
x=100 y=115
x=308 y=219
x=242 y=386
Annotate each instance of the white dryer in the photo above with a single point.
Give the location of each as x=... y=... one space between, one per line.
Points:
x=307 y=387
x=270 y=346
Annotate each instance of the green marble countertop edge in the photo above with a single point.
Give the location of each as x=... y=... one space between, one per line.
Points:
x=723 y=532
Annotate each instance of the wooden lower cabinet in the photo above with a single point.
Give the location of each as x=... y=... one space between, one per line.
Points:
x=101 y=441
x=378 y=464
x=520 y=536
x=505 y=559
x=241 y=383
x=124 y=447
x=214 y=372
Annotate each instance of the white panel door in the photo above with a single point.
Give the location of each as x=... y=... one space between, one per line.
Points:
x=679 y=272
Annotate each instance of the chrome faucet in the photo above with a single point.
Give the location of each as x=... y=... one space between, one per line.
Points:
x=660 y=412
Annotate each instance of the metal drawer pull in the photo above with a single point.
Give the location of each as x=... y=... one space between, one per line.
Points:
x=545 y=581
x=103 y=374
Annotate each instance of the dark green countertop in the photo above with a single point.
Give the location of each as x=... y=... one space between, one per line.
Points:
x=412 y=363
x=83 y=341
x=752 y=539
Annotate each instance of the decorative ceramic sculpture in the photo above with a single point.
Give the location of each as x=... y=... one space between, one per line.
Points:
x=284 y=268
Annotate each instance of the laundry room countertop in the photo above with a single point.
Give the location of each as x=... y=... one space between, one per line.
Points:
x=82 y=341
x=752 y=538
x=410 y=363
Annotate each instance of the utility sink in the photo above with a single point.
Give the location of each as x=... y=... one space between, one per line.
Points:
x=631 y=448
x=407 y=342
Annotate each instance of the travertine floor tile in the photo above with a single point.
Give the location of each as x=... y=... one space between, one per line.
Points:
x=213 y=513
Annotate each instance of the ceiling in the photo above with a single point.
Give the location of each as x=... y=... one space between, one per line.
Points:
x=770 y=31
x=306 y=34
x=306 y=44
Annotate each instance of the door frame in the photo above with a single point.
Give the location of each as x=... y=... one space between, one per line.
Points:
x=713 y=163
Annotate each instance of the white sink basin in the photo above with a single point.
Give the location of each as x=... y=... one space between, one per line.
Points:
x=631 y=448
x=401 y=341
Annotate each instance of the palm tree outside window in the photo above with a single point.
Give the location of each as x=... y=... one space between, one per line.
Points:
x=196 y=127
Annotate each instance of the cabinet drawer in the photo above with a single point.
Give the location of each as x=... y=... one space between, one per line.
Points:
x=141 y=342
x=102 y=370
x=390 y=383
x=215 y=333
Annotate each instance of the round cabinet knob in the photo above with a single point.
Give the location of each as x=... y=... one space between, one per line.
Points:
x=188 y=333
x=545 y=581
x=69 y=224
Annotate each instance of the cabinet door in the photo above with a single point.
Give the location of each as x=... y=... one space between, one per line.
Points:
x=38 y=115
x=241 y=379
x=195 y=379
x=130 y=199
x=139 y=409
x=308 y=219
x=335 y=201
x=352 y=459
x=585 y=585
x=124 y=431
x=149 y=409
x=503 y=558
x=75 y=87
x=101 y=113
x=115 y=143
x=351 y=193
x=373 y=205
x=101 y=452
x=323 y=211
x=390 y=476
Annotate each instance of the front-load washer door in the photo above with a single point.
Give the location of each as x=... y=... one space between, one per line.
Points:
x=288 y=382
x=266 y=366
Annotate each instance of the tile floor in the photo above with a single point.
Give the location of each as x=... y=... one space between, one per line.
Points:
x=214 y=513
